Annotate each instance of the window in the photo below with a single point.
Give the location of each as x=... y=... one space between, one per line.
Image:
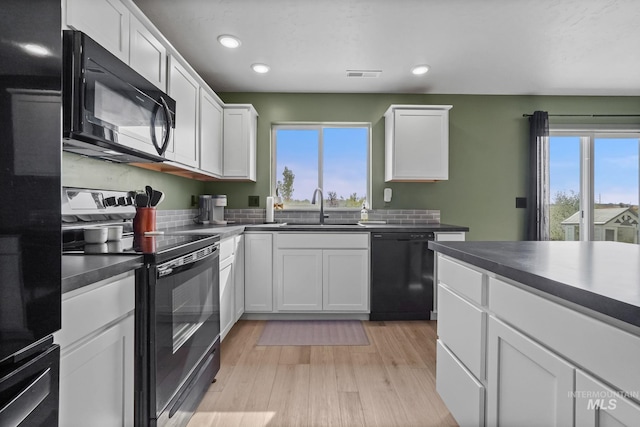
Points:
x=333 y=157
x=593 y=183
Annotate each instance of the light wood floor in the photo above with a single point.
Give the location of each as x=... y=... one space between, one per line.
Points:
x=390 y=382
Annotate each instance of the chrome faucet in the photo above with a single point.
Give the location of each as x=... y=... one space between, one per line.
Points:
x=313 y=202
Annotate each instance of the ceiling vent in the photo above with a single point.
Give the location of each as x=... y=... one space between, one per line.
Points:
x=364 y=73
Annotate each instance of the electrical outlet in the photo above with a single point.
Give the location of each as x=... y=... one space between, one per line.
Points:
x=521 y=202
x=194 y=200
x=254 y=201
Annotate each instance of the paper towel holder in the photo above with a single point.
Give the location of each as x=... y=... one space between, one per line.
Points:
x=269 y=215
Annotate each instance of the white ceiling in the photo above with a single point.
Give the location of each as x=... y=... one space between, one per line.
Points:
x=536 y=47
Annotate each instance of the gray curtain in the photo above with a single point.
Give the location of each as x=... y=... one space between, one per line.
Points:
x=538 y=203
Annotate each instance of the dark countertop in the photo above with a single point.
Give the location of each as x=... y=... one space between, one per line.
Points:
x=82 y=270
x=601 y=276
x=329 y=227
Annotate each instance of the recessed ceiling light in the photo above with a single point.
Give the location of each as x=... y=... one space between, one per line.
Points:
x=420 y=69
x=228 y=41
x=260 y=68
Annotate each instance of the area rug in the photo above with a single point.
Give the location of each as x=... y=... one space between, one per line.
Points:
x=313 y=332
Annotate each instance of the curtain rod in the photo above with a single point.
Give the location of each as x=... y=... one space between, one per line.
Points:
x=587 y=115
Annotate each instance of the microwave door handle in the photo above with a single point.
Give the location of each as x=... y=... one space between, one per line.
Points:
x=169 y=126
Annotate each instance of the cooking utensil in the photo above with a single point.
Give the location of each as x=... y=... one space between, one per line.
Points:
x=142 y=200
x=149 y=191
x=155 y=197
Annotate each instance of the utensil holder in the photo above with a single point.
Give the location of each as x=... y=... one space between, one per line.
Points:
x=145 y=220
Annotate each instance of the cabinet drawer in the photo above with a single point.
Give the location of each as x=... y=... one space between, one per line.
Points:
x=462 y=279
x=605 y=350
x=322 y=240
x=226 y=248
x=461 y=326
x=460 y=391
x=95 y=306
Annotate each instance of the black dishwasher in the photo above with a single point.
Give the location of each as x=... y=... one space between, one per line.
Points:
x=401 y=276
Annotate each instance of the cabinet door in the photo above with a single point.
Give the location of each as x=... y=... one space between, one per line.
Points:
x=418 y=145
x=598 y=405
x=258 y=272
x=210 y=134
x=345 y=280
x=97 y=379
x=299 y=279
x=527 y=384
x=239 y=144
x=146 y=54
x=227 y=294
x=105 y=21
x=184 y=89
x=239 y=277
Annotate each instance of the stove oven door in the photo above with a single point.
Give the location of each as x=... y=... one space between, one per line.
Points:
x=187 y=321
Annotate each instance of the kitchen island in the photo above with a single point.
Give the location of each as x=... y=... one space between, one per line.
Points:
x=539 y=333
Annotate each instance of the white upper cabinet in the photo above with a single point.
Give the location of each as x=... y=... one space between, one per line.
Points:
x=105 y=21
x=240 y=127
x=210 y=134
x=417 y=142
x=184 y=89
x=146 y=54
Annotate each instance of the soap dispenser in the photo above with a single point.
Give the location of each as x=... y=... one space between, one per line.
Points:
x=364 y=214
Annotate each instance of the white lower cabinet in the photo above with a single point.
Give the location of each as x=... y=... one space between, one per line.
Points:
x=238 y=277
x=258 y=272
x=227 y=294
x=598 y=405
x=299 y=273
x=97 y=354
x=322 y=272
x=533 y=347
x=527 y=384
x=231 y=283
x=345 y=279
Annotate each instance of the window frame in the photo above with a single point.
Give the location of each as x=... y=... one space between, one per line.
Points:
x=320 y=126
x=588 y=134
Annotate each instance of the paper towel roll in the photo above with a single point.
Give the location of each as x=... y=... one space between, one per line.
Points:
x=269 y=209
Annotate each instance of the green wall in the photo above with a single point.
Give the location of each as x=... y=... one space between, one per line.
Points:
x=488 y=157
x=487 y=168
x=79 y=171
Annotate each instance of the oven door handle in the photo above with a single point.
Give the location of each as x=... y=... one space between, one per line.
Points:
x=185 y=262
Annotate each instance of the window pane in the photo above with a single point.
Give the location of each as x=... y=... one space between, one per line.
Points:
x=564 y=187
x=345 y=166
x=615 y=182
x=297 y=151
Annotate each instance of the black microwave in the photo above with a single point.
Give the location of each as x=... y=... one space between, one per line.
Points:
x=109 y=110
